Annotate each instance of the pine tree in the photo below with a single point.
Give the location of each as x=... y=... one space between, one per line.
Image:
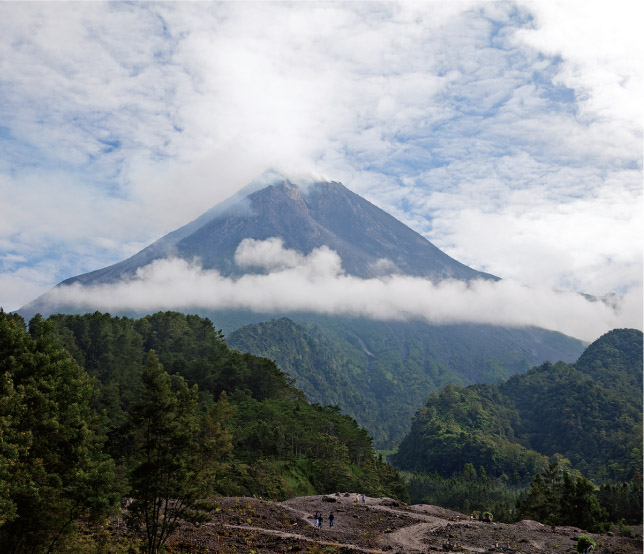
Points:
x=53 y=471
x=540 y=503
x=176 y=456
x=580 y=506
x=558 y=498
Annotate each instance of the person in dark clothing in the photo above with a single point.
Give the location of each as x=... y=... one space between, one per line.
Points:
x=321 y=519
x=331 y=518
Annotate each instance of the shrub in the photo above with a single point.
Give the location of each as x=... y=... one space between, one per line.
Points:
x=585 y=544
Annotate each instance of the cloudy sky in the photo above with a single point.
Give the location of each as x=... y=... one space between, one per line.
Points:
x=507 y=133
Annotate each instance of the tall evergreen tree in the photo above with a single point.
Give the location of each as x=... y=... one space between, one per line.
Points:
x=560 y=498
x=176 y=455
x=53 y=471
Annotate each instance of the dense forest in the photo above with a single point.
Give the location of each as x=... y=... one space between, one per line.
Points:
x=589 y=412
x=381 y=392
x=380 y=372
x=556 y=496
x=530 y=446
x=159 y=411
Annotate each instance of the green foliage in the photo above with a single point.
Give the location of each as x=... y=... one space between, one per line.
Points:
x=466 y=492
x=472 y=425
x=589 y=413
x=175 y=453
x=13 y=447
x=585 y=543
x=623 y=501
x=558 y=498
x=192 y=420
x=272 y=426
x=53 y=471
x=379 y=390
x=379 y=373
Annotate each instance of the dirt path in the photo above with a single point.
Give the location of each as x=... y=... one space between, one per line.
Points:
x=409 y=539
x=300 y=537
x=433 y=521
x=302 y=515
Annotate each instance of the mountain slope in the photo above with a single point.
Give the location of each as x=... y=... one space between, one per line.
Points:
x=282 y=445
x=381 y=372
x=304 y=217
x=590 y=412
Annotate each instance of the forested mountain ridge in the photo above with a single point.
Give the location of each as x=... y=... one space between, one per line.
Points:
x=619 y=351
x=589 y=412
x=381 y=372
x=271 y=421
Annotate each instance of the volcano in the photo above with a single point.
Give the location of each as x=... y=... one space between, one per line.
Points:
x=379 y=372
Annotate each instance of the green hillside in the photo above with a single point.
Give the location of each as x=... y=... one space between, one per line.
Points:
x=272 y=426
x=380 y=373
x=589 y=412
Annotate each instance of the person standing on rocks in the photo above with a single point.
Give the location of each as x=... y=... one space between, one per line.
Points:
x=317 y=520
x=321 y=519
x=331 y=518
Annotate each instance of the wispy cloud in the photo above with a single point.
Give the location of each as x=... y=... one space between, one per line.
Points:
x=508 y=133
x=316 y=283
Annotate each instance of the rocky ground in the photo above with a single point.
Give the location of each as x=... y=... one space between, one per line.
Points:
x=379 y=525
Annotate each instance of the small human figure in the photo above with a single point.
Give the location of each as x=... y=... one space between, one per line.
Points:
x=320 y=520
x=363 y=499
x=331 y=518
x=317 y=519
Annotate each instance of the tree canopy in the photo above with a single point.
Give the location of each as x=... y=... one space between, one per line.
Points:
x=589 y=412
x=53 y=470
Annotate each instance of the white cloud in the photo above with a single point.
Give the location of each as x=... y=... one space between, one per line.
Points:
x=577 y=230
x=601 y=50
x=268 y=254
x=317 y=283
x=508 y=133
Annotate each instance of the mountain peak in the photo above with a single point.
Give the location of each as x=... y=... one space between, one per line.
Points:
x=305 y=214
x=266 y=179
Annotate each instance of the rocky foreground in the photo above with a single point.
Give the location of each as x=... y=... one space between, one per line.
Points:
x=252 y=526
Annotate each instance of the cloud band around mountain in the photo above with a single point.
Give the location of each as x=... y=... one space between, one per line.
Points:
x=294 y=282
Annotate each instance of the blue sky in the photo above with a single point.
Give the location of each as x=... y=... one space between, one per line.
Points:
x=507 y=133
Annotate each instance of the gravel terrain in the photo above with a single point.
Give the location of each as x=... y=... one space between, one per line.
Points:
x=379 y=525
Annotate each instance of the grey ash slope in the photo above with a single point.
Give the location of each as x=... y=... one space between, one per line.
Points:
x=319 y=214
x=304 y=217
